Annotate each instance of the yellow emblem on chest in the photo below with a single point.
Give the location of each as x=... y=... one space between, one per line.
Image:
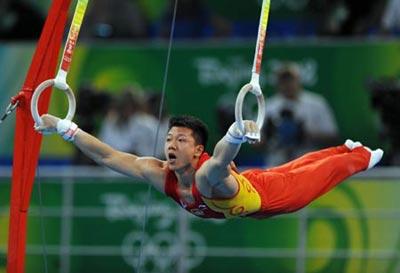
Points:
x=246 y=201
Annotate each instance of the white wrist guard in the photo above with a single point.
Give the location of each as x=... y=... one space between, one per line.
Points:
x=234 y=135
x=67 y=129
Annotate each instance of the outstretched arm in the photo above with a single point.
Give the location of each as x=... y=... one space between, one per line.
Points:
x=105 y=155
x=217 y=170
x=228 y=147
x=225 y=152
x=139 y=167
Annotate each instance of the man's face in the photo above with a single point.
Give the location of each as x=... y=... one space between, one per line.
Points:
x=181 y=149
x=289 y=87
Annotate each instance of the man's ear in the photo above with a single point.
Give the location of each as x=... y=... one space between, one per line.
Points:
x=199 y=149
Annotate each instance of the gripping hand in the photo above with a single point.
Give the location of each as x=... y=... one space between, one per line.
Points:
x=251 y=133
x=51 y=124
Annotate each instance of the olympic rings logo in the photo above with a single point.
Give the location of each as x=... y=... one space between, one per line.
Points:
x=163 y=251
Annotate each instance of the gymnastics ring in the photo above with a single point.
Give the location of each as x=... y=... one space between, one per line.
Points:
x=38 y=91
x=256 y=90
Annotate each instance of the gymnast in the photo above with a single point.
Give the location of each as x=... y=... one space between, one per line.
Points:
x=211 y=186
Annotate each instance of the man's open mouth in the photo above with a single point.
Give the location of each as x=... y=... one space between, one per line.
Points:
x=171 y=157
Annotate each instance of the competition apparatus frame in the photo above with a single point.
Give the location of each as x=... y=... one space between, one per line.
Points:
x=27 y=142
x=40 y=77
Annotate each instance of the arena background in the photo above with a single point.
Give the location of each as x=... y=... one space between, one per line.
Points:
x=339 y=70
x=93 y=217
x=93 y=222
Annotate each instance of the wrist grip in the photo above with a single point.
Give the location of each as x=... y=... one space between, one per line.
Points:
x=67 y=129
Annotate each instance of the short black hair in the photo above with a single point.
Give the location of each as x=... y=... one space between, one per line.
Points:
x=199 y=128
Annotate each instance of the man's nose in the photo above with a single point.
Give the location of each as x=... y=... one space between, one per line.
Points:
x=171 y=145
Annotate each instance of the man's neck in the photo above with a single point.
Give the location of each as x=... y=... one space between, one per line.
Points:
x=186 y=175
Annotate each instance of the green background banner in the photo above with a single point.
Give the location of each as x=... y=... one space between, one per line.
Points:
x=94 y=225
x=200 y=74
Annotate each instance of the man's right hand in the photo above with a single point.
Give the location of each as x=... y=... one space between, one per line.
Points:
x=48 y=126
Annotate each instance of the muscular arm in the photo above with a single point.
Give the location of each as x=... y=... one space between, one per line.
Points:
x=217 y=167
x=214 y=175
x=213 y=178
x=103 y=154
x=145 y=168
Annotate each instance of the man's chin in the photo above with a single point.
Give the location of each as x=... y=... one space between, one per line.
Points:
x=172 y=166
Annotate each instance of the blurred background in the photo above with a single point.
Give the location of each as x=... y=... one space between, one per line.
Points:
x=330 y=72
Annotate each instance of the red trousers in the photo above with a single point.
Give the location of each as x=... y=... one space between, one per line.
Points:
x=294 y=185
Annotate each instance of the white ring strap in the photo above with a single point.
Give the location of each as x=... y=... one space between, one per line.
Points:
x=38 y=91
x=239 y=107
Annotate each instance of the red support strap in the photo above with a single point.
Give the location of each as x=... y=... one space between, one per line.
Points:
x=15 y=99
x=27 y=141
